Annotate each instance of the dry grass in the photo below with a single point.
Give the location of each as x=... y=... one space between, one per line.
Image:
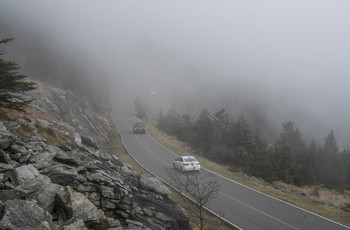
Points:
x=9 y=115
x=210 y=222
x=313 y=192
x=55 y=134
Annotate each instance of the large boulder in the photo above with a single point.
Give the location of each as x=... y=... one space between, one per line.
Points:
x=28 y=172
x=42 y=160
x=20 y=214
x=45 y=196
x=6 y=138
x=153 y=184
x=71 y=204
x=61 y=174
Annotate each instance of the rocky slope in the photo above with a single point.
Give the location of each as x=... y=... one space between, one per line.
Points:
x=53 y=174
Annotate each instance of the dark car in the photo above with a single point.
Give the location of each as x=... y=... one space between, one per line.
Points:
x=139 y=127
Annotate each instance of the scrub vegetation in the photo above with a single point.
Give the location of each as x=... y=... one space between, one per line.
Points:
x=301 y=196
x=233 y=143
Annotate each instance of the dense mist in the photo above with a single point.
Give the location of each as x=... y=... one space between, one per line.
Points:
x=272 y=61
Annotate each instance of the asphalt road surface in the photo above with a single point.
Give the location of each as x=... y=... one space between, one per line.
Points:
x=237 y=204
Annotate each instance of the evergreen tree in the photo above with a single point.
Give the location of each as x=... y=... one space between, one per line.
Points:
x=187 y=132
x=203 y=129
x=330 y=169
x=290 y=153
x=240 y=141
x=11 y=84
x=260 y=162
x=241 y=134
x=221 y=127
x=345 y=158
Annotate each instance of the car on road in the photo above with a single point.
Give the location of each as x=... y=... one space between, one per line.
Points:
x=187 y=163
x=139 y=127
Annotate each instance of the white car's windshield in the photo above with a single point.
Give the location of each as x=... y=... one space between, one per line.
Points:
x=191 y=159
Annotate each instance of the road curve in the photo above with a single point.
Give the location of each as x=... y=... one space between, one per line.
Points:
x=238 y=204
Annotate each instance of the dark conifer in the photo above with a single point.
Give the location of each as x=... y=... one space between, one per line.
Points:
x=11 y=84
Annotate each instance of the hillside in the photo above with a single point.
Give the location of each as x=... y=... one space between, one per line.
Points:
x=56 y=172
x=330 y=203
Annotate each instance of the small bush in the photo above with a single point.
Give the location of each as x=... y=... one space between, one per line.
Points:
x=315 y=192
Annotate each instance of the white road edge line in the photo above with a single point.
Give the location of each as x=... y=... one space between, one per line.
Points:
x=213 y=213
x=259 y=191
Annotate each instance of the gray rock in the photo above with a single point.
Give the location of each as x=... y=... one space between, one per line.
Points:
x=29 y=186
x=71 y=159
x=15 y=148
x=128 y=171
x=320 y=202
x=5 y=167
x=107 y=192
x=20 y=214
x=4 y=157
x=8 y=194
x=89 y=141
x=73 y=204
x=24 y=158
x=134 y=223
x=6 y=138
x=74 y=224
x=332 y=204
x=147 y=211
x=28 y=172
x=106 y=204
x=95 y=198
x=99 y=178
x=45 y=196
x=61 y=174
x=113 y=222
x=153 y=184
x=43 y=123
x=43 y=160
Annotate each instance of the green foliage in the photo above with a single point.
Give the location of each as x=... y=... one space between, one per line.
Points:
x=291 y=155
x=331 y=171
x=221 y=126
x=203 y=129
x=11 y=84
x=220 y=139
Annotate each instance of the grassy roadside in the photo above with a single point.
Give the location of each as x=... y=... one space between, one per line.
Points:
x=116 y=147
x=305 y=202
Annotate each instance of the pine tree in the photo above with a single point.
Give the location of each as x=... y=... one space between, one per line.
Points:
x=345 y=158
x=203 y=129
x=11 y=84
x=221 y=127
x=260 y=162
x=241 y=134
x=330 y=168
x=240 y=141
x=290 y=153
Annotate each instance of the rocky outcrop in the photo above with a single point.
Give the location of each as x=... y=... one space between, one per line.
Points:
x=76 y=185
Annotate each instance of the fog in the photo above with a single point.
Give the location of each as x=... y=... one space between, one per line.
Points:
x=272 y=60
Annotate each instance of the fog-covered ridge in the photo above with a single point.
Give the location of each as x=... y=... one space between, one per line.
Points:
x=278 y=61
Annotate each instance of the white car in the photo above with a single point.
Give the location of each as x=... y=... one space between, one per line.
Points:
x=187 y=163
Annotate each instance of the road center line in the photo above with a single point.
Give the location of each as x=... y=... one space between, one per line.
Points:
x=232 y=198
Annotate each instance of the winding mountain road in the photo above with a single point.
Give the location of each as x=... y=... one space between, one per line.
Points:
x=241 y=206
